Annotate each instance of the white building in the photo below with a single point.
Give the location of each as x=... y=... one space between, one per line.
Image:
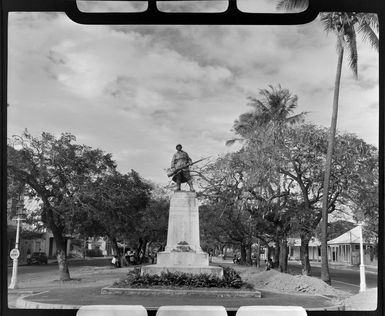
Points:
x=346 y=249
x=294 y=245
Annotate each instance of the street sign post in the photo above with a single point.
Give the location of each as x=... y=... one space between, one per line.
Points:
x=362 y=264
x=14 y=254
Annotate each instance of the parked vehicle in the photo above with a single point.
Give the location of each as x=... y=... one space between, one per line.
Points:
x=38 y=258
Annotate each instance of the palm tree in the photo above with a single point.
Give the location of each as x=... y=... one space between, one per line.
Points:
x=263 y=128
x=275 y=107
x=345 y=25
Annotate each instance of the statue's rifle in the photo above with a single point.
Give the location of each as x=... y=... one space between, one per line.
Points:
x=174 y=172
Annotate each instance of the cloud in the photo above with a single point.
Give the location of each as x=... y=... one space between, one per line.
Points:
x=193 y=6
x=137 y=91
x=260 y=6
x=111 y=6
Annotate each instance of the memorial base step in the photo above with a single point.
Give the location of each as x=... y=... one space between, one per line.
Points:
x=183 y=258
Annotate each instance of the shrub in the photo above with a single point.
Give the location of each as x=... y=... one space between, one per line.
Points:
x=231 y=279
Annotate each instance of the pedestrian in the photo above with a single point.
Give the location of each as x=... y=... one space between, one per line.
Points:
x=115 y=262
x=131 y=257
x=127 y=256
x=253 y=259
x=141 y=256
x=29 y=256
x=269 y=264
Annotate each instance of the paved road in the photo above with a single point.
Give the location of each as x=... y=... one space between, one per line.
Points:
x=346 y=279
x=52 y=266
x=32 y=278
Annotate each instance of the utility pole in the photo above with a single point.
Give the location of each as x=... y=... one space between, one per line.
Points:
x=362 y=265
x=15 y=253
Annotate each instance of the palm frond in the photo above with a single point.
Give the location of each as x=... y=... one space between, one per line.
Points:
x=291 y=5
x=258 y=105
x=329 y=21
x=293 y=103
x=232 y=141
x=296 y=118
x=368 y=34
x=369 y=18
x=243 y=125
x=351 y=43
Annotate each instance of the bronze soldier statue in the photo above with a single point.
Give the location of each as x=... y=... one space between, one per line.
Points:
x=181 y=159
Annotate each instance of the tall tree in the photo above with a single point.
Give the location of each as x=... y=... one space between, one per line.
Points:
x=55 y=170
x=114 y=206
x=345 y=25
x=152 y=225
x=305 y=151
x=226 y=203
x=364 y=194
x=261 y=129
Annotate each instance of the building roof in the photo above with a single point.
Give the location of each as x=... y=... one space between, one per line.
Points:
x=350 y=237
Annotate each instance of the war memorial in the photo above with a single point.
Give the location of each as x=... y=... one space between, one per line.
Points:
x=183 y=252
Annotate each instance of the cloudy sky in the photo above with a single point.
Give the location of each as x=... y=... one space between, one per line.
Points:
x=137 y=91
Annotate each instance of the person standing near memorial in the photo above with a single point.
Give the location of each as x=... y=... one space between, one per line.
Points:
x=181 y=159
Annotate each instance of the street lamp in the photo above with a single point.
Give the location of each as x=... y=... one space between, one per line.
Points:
x=15 y=253
x=362 y=266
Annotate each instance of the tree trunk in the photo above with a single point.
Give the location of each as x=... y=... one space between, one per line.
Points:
x=277 y=252
x=258 y=256
x=58 y=236
x=224 y=252
x=61 y=256
x=325 y=275
x=115 y=248
x=84 y=248
x=243 y=253
x=304 y=254
x=149 y=252
x=137 y=254
x=249 y=260
x=283 y=255
x=144 y=251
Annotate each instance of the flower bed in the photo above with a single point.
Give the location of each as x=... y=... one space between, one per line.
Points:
x=231 y=279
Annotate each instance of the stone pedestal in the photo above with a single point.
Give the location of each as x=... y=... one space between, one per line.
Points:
x=183 y=252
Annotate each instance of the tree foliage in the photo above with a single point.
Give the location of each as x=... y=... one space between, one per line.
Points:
x=56 y=170
x=82 y=194
x=273 y=186
x=345 y=25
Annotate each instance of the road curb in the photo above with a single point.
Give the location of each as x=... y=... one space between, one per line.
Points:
x=21 y=291
x=205 y=292
x=330 y=308
x=21 y=302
